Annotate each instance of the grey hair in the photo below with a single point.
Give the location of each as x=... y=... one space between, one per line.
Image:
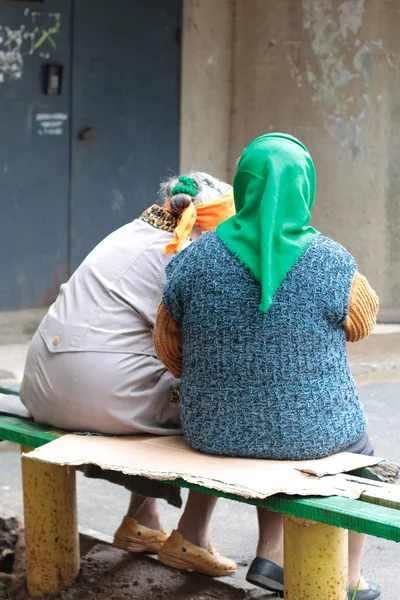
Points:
x=209 y=188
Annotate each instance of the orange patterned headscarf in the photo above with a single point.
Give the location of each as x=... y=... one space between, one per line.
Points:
x=205 y=216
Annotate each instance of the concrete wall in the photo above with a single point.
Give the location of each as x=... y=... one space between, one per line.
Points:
x=206 y=85
x=327 y=71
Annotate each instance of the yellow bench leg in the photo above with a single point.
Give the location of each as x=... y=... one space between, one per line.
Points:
x=316 y=560
x=51 y=527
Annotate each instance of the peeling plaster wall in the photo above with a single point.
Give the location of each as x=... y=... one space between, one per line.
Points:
x=328 y=72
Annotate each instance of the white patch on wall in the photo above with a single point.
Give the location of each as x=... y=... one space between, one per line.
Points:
x=117 y=202
x=338 y=77
x=329 y=25
x=25 y=40
x=50 y=123
x=351 y=16
x=292 y=60
x=11 y=62
x=393 y=59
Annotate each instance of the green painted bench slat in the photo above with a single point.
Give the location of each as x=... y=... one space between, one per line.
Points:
x=357 y=515
x=334 y=510
x=22 y=431
x=26 y=433
x=341 y=512
x=9 y=388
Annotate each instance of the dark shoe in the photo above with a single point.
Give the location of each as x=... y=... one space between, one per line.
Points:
x=373 y=593
x=267 y=575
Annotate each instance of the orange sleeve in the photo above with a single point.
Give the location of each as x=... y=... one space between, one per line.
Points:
x=168 y=341
x=363 y=309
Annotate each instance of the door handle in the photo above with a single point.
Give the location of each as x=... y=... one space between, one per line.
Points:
x=86 y=134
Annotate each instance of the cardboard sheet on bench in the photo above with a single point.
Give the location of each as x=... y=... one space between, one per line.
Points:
x=169 y=458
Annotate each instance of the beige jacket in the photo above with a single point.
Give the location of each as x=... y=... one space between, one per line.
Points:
x=92 y=363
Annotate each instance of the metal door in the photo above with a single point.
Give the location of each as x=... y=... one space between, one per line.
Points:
x=80 y=159
x=34 y=151
x=125 y=112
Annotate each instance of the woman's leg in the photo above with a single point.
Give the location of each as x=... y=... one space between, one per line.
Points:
x=145 y=511
x=189 y=546
x=270 y=546
x=266 y=570
x=270 y=540
x=356 y=544
x=195 y=520
x=141 y=529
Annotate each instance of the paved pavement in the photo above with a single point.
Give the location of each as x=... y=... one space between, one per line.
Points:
x=375 y=362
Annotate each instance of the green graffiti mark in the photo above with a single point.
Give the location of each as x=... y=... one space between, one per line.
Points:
x=48 y=33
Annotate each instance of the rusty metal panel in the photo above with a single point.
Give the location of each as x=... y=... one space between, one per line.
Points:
x=34 y=152
x=125 y=125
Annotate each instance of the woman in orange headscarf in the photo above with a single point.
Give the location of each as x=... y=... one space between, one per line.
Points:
x=92 y=365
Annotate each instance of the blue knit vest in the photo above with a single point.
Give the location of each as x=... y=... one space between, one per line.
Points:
x=272 y=385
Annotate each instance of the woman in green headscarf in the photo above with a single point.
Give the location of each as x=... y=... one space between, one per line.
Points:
x=273 y=202
x=254 y=319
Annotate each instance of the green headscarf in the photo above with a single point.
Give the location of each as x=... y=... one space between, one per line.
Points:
x=274 y=190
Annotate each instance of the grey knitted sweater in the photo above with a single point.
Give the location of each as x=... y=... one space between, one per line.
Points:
x=271 y=385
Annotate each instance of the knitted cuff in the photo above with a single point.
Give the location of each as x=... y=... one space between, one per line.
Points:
x=363 y=308
x=167 y=339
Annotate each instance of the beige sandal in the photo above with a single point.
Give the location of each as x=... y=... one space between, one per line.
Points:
x=136 y=538
x=178 y=553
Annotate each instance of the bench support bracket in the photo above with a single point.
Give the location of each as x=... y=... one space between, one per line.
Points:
x=316 y=560
x=51 y=527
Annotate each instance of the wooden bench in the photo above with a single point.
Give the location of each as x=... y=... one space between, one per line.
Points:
x=315 y=527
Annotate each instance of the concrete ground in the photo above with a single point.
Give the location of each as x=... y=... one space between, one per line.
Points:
x=376 y=365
